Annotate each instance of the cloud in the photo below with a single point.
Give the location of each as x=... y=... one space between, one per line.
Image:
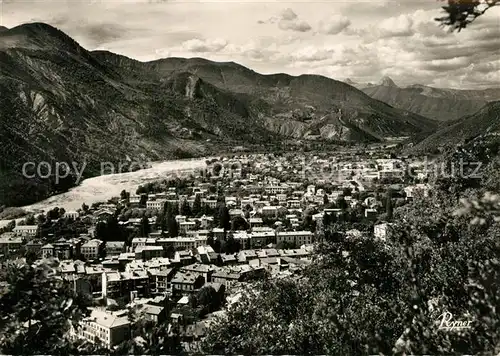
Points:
x=312 y=54
x=254 y=50
x=334 y=25
x=204 y=45
x=400 y=26
x=395 y=37
x=288 y=21
x=445 y=65
x=299 y=26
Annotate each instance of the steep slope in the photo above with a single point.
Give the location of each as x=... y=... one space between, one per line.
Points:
x=61 y=104
x=434 y=103
x=485 y=122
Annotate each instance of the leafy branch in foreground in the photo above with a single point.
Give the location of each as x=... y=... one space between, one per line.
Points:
x=460 y=13
x=38 y=309
x=362 y=296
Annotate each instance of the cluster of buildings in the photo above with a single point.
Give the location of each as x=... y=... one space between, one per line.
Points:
x=269 y=195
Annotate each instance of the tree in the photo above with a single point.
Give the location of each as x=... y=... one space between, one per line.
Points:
x=54 y=214
x=326 y=201
x=102 y=250
x=239 y=223
x=364 y=296
x=37 y=311
x=460 y=13
x=9 y=227
x=149 y=338
x=85 y=208
x=124 y=195
x=185 y=208
x=210 y=239
x=113 y=231
x=224 y=218
x=170 y=252
x=143 y=200
x=207 y=300
x=144 y=226
x=197 y=209
x=327 y=219
x=230 y=245
x=170 y=223
x=341 y=203
x=173 y=228
x=388 y=205
x=41 y=219
x=101 y=231
x=30 y=220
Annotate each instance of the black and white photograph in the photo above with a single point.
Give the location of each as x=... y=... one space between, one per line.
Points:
x=251 y=177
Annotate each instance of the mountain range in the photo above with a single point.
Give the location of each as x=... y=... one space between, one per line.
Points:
x=435 y=103
x=484 y=123
x=61 y=102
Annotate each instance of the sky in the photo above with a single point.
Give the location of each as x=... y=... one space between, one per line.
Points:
x=361 y=40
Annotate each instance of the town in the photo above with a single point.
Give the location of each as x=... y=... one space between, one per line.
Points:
x=181 y=250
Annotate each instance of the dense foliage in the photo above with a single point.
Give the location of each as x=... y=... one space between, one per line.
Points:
x=460 y=13
x=365 y=296
x=38 y=310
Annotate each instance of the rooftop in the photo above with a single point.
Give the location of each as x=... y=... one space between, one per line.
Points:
x=106 y=319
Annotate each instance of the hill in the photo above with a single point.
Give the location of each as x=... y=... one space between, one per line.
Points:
x=302 y=106
x=62 y=103
x=485 y=122
x=434 y=103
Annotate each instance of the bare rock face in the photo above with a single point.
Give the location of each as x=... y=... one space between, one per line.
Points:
x=387 y=82
x=192 y=86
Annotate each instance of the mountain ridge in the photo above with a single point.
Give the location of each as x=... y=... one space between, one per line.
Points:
x=485 y=122
x=435 y=103
x=388 y=82
x=61 y=102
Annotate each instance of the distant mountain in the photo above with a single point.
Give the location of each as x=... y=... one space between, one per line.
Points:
x=306 y=105
x=485 y=122
x=61 y=102
x=358 y=85
x=388 y=82
x=3 y=28
x=350 y=82
x=434 y=103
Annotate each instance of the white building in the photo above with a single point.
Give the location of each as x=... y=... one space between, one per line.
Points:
x=26 y=230
x=90 y=249
x=104 y=327
x=186 y=226
x=47 y=251
x=181 y=243
x=71 y=214
x=155 y=204
x=298 y=238
x=211 y=203
x=243 y=238
x=275 y=189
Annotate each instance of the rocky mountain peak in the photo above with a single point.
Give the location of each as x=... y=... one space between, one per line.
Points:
x=387 y=82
